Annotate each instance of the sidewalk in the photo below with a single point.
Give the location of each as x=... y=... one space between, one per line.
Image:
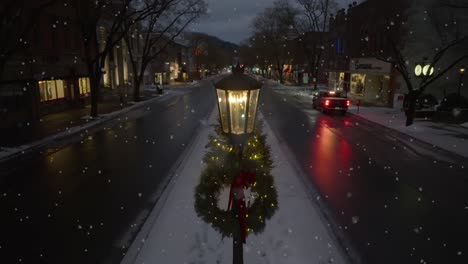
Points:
x=58 y=126
x=453 y=138
x=173 y=233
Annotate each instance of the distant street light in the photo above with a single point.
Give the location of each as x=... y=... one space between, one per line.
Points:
x=460 y=83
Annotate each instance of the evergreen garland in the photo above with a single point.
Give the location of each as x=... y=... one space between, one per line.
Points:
x=222 y=165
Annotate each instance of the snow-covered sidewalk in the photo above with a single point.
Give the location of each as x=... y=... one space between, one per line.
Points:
x=450 y=137
x=173 y=233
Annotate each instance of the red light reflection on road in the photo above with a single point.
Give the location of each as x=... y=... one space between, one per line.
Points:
x=330 y=154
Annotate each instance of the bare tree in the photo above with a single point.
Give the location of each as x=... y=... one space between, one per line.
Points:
x=313 y=18
x=271 y=38
x=17 y=18
x=432 y=34
x=166 y=21
x=103 y=25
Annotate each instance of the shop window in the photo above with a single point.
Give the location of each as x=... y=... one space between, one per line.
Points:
x=85 y=85
x=51 y=90
x=60 y=85
x=357 y=84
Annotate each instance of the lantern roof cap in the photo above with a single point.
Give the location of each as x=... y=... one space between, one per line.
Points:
x=238 y=81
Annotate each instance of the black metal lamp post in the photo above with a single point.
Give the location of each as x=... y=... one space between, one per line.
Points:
x=460 y=83
x=237 y=96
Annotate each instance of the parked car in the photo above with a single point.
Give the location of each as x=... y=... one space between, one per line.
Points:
x=331 y=101
x=426 y=102
x=452 y=101
x=316 y=95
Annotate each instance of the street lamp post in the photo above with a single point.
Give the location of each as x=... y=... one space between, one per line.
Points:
x=237 y=96
x=460 y=83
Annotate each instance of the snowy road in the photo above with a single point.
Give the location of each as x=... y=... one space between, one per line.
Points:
x=76 y=204
x=399 y=201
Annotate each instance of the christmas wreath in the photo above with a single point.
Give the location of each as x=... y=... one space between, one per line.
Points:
x=225 y=168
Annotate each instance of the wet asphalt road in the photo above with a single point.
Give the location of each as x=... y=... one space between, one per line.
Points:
x=84 y=202
x=395 y=199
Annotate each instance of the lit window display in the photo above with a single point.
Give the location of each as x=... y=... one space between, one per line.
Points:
x=357 y=84
x=51 y=90
x=85 y=86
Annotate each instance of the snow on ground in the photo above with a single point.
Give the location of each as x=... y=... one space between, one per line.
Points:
x=450 y=137
x=174 y=234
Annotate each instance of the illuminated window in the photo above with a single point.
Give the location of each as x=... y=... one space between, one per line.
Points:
x=85 y=86
x=357 y=84
x=51 y=90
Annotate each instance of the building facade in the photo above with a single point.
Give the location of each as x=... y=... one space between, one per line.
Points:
x=48 y=74
x=358 y=42
x=175 y=63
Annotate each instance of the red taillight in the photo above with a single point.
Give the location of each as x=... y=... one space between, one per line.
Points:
x=327 y=102
x=348 y=102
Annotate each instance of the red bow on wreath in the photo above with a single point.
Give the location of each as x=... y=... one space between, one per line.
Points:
x=241 y=181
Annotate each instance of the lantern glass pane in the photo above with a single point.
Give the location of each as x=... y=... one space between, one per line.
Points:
x=238 y=108
x=223 y=114
x=253 y=102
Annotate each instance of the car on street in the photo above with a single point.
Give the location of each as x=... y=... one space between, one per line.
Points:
x=330 y=101
x=316 y=95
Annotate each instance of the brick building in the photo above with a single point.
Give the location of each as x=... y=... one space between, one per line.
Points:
x=47 y=74
x=50 y=74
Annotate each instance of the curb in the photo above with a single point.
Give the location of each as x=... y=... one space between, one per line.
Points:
x=399 y=135
x=42 y=143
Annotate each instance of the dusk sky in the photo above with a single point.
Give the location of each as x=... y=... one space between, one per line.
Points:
x=231 y=19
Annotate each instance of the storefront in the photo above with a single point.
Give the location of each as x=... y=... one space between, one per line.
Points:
x=57 y=90
x=337 y=81
x=370 y=81
x=57 y=95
